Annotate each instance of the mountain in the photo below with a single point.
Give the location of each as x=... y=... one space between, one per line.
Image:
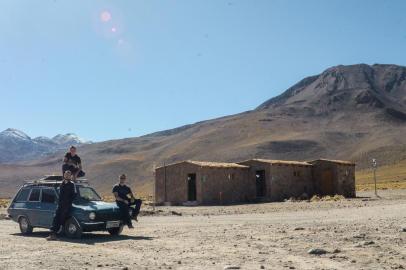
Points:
x=16 y=146
x=351 y=112
x=69 y=139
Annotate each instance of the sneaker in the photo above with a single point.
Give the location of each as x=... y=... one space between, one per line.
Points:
x=130 y=226
x=52 y=237
x=60 y=230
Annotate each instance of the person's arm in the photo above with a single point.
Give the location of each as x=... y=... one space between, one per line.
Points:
x=65 y=159
x=79 y=166
x=131 y=195
x=115 y=193
x=119 y=199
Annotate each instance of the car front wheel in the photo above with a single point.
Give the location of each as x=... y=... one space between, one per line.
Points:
x=25 y=226
x=73 y=229
x=116 y=231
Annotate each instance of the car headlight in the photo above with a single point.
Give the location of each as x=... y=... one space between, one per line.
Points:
x=92 y=215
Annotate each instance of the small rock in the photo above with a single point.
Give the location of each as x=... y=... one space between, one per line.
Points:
x=262 y=267
x=125 y=268
x=299 y=229
x=317 y=251
x=336 y=251
x=359 y=236
x=176 y=213
x=367 y=243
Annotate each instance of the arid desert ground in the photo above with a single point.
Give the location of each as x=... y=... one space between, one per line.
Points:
x=362 y=233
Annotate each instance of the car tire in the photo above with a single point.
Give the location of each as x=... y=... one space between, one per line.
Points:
x=72 y=229
x=116 y=231
x=25 y=226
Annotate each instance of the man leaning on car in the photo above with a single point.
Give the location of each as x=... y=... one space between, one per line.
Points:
x=67 y=193
x=121 y=192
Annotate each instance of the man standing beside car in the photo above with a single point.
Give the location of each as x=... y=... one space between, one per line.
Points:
x=121 y=192
x=72 y=163
x=67 y=193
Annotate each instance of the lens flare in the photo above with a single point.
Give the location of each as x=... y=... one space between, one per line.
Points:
x=105 y=16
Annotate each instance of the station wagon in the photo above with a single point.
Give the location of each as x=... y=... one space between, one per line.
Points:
x=35 y=204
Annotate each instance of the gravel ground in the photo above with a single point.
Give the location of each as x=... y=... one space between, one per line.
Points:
x=362 y=233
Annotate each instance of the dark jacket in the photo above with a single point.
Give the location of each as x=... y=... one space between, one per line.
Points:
x=67 y=193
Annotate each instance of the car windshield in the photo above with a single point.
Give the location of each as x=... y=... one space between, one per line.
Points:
x=88 y=193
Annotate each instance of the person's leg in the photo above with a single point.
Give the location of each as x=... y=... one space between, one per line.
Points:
x=65 y=212
x=137 y=209
x=65 y=167
x=55 y=224
x=74 y=172
x=125 y=215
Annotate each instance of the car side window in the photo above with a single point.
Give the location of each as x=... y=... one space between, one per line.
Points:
x=35 y=194
x=48 y=195
x=23 y=195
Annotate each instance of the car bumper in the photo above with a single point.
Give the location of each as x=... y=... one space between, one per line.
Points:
x=94 y=226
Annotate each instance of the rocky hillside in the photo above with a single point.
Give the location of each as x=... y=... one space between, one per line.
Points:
x=347 y=112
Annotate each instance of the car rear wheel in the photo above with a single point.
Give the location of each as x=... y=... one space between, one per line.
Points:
x=72 y=229
x=116 y=231
x=25 y=226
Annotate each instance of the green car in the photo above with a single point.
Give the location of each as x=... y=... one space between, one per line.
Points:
x=35 y=204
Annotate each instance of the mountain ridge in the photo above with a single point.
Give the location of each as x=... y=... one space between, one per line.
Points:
x=350 y=112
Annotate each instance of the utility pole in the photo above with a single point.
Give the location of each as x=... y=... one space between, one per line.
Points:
x=374 y=166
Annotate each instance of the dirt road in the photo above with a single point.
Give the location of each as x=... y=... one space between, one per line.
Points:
x=356 y=234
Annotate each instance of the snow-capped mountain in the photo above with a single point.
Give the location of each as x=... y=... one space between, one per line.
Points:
x=15 y=145
x=14 y=134
x=68 y=139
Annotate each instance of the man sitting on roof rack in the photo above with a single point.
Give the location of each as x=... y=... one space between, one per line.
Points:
x=73 y=163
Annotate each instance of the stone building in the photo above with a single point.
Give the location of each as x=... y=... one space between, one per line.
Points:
x=251 y=180
x=203 y=183
x=276 y=180
x=334 y=177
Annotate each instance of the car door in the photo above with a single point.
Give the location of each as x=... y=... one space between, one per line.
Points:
x=19 y=205
x=34 y=206
x=48 y=207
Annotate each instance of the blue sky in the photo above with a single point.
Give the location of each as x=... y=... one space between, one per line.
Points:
x=124 y=68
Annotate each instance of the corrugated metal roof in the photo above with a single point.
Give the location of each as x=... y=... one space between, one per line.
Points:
x=345 y=162
x=285 y=162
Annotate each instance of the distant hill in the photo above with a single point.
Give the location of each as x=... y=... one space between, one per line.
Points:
x=16 y=146
x=347 y=112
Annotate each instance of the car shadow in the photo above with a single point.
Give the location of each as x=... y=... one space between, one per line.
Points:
x=89 y=238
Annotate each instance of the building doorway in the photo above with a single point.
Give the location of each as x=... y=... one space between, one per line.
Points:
x=260 y=183
x=327 y=183
x=191 y=187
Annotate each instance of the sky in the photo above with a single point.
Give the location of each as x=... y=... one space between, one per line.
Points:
x=124 y=68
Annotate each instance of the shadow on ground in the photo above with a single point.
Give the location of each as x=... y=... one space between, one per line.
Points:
x=88 y=238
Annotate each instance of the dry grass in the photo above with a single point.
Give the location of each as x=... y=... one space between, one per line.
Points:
x=388 y=177
x=327 y=198
x=4 y=203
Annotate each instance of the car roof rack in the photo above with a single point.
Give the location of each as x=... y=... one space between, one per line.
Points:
x=52 y=180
